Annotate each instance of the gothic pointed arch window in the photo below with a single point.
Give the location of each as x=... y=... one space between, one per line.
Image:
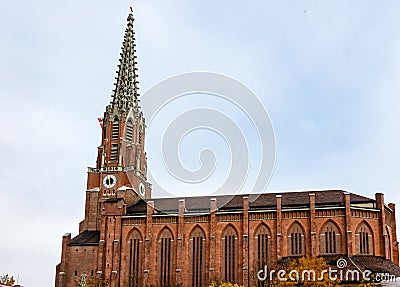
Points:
x=330 y=239
x=165 y=258
x=262 y=245
x=197 y=257
x=129 y=131
x=261 y=248
x=135 y=245
x=296 y=240
x=364 y=239
x=229 y=254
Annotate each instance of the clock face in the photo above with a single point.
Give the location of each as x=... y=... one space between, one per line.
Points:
x=109 y=181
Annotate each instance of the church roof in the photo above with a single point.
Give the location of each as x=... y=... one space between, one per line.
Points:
x=376 y=264
x=87 y=237
x=138 y=207
x=256 y=201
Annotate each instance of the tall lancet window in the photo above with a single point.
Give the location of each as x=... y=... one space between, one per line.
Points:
x=364 y=239
x=262 y=245
x=296 y=240
x=135 y=259
x=330 y=239
x=229 y=254
x=197 y=255
x=115 y=129
x=261 y=248
x=129 y=131
x=165 y=258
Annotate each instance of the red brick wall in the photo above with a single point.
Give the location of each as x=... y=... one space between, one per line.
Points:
x=113 y=251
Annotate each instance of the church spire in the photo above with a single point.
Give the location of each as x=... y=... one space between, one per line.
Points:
x=125 y=95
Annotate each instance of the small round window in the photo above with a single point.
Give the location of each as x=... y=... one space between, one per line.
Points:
x=142 y=190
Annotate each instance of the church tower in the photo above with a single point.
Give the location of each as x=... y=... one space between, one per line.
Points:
x=118 y=180
x=121 y=167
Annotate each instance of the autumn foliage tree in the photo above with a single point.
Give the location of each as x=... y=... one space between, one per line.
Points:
x=97 y=282
x=93 y=282
x=5 y=279
x=223 y=284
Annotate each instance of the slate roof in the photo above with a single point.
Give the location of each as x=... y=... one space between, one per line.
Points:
x=377 y=264
x=86 y=238
x=256 y=201
x=139 y=207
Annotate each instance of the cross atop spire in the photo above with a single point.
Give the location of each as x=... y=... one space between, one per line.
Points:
x=126 y=95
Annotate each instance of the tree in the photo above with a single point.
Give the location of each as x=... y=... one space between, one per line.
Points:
x=367 y=284
x=223 y=284
x=5 y=279
x=82 y=282
x=97 y=282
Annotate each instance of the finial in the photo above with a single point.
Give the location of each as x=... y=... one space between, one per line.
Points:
x=130 y=16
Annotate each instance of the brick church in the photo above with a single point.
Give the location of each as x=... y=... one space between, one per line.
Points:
x=132 y=239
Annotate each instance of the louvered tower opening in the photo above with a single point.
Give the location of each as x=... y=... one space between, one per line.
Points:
x=114 y=152
x=129 y=131
x=115 y=129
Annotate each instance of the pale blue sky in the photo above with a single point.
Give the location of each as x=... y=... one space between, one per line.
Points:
x=328 y=78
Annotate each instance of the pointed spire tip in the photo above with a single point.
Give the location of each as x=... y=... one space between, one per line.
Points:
x=125 y=93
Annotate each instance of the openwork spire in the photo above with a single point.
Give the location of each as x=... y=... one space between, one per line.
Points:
x=125 y=94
